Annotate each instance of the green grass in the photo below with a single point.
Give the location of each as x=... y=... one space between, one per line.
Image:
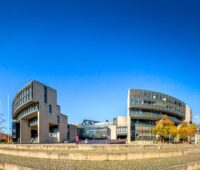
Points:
x=147 y=164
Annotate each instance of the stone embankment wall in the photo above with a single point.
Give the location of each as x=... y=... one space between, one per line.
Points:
x=99 y=152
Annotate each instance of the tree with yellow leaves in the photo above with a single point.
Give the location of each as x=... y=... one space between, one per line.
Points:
x=165 y=128
x=186 y=131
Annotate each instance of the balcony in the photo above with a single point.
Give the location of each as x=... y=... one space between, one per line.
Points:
x=22 y=98
x=152 y=116
x=33 y=122
x=28 y=110
x=163 y=108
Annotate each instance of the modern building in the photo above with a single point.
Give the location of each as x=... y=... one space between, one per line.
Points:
x=94 y=129
x=72 y=132
x=104 y=130
x=147 y=107
x=36 y=115
x=121 y=126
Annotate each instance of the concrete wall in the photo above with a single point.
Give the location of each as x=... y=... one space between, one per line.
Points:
x=106 y=153
x=121 y=121
x=112 y=132
x=25 y=132
x=73 y=131
x=188 y=114
x=63 y=127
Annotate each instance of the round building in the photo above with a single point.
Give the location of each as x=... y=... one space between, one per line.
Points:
x=147 y=107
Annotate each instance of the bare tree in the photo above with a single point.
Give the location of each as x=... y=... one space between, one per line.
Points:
x=2 y=123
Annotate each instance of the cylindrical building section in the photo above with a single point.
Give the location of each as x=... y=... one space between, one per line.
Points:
x=147 y=107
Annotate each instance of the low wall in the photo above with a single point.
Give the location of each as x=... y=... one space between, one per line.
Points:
x=88 y=147
x=98 y=152
x=95 y=156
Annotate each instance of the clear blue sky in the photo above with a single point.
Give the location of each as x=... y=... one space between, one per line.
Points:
x=92 y=51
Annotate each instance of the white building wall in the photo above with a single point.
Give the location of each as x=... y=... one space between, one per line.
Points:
x=113 y=132
x=188 y=114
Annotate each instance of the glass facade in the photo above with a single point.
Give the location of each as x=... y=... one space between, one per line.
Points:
x=142 y=130
x=95 y=132
x=156 y=101
x=15 y=131
x=146 y=107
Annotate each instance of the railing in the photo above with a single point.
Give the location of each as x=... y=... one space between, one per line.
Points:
x=34 y=140
x=153 y=116
x=54 y=137
x=33 y=123
x=30 y=109
x=157 y=107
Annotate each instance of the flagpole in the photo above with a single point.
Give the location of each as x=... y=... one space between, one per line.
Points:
x=8 y=118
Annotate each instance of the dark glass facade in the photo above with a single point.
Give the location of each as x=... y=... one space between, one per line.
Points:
x=15 y=131
x=146 y=107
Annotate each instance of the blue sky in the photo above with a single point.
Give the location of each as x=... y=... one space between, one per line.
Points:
x=92 y=51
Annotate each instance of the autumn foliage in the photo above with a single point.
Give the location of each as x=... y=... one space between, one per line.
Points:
x=165 y=128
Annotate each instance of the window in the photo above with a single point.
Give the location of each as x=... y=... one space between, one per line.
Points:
x=45 y=94
x=58 y=119
x=50 y=109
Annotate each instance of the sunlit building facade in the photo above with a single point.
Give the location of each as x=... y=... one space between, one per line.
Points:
x=36 y=115
x=147 y=107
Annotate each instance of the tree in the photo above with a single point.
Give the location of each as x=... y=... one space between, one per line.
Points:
x=165 y=128
x=2 y=123
x=173 y=131
x=191 y=130
x=186 y=131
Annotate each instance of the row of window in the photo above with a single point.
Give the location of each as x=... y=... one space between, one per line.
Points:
x=161 y=97
x=122 y=130
x=24 y=92
x=32 y=108
x=152 y=115
x=142 y=122
x=22 y=99
x=157 y=104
